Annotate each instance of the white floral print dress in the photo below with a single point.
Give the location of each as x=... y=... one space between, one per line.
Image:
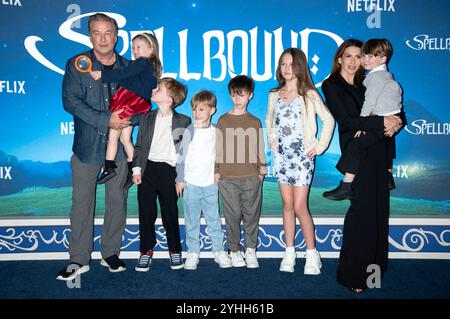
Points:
x=291 y=165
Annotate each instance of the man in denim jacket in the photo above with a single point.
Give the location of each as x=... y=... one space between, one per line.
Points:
x=87 y=100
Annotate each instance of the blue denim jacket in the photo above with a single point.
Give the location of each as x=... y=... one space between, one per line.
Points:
x=87 y=100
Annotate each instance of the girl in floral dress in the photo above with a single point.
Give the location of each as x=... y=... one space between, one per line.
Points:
x=291 y=126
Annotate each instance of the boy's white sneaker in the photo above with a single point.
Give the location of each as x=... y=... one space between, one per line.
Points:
x=191 y=261
x=222 y=259
x=250 y=258
x=312 y=263
x=236 y=259
x=288 y=262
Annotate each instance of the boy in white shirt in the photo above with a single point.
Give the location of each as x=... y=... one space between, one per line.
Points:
x=195 y=181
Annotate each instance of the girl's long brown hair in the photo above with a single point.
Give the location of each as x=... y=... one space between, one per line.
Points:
x=301 y=72
x=151 y=40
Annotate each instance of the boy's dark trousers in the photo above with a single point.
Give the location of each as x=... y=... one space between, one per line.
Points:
x=158 y=182
x=357 y=149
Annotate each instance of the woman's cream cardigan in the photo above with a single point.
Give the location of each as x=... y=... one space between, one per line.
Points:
x=314 y=105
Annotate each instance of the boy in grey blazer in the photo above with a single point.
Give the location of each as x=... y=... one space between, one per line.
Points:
x=154 y=161
x=383 y=97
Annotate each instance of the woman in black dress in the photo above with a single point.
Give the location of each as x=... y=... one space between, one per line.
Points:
x=366 y=224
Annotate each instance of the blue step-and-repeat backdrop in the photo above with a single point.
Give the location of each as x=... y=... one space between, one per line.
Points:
x=204 y=44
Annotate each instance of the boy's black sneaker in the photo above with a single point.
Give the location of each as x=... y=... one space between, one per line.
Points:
x=106 y=175
x=144 y=262
x=176 y=261
x=113 y=263
x=391 y=183
x=72 y=271
x=343 y=191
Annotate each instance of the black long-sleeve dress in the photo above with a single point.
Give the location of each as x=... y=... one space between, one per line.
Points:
x=366 y=225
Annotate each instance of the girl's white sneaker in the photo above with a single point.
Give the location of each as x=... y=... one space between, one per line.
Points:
x=288 y=262
x=313 y=263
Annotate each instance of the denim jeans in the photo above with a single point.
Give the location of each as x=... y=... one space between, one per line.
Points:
x=195 y=201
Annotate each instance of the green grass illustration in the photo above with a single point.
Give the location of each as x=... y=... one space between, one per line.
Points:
x=56 y=202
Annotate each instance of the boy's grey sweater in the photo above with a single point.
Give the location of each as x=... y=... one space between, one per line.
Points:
x=383 y=94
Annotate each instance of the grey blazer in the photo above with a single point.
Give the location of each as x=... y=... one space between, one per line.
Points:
x=145 y=135
x=383 y=94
